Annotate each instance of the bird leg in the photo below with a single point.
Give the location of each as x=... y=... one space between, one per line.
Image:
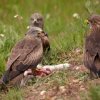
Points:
x=30 y=73
x=37 y=72
x=41 y=72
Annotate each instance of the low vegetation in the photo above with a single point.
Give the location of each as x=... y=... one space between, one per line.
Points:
x=65 y=24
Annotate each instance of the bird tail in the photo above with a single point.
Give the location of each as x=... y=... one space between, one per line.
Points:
x=5 y=77
x=9 y=75
x=97 y=65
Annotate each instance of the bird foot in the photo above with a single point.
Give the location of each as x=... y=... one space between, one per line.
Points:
x=37 y=72
x=42 y=72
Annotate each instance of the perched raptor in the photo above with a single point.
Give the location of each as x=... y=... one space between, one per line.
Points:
x=20 y=60
x=36 y=20
x=92 y=46
x=26 y=54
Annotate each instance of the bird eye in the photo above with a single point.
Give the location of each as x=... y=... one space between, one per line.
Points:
x=39 y=19
x=91 y=21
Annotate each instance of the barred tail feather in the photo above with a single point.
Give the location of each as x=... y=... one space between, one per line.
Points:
x=9 y=75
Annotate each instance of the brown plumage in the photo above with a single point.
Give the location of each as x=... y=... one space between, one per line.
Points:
x=45 y=42
x=92 y=46
x=37 y=21
x=26 y=54
x=20 y=59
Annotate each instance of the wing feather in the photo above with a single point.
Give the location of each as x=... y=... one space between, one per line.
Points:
x=26 y=54
x=92 y=54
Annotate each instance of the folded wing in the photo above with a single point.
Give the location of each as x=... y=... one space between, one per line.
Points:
x=26 y=54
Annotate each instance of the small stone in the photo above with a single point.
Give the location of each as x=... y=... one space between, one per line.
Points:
x=43 y=92
x=82 y=88
x=80 y=82
x=78 y=50
x=62 y=89
x=75 y=81
x=77 y=68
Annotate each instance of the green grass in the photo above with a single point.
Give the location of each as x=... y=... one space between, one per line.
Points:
x=95 y=92
x=13 y=94
x=65 y=32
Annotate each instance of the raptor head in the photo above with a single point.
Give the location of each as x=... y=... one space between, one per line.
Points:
x=94 y=21
x=36 y=20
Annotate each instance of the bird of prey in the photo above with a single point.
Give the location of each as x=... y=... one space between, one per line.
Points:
x=36 y=20
x=92 y=47
x=36 y=26
x=26 y=54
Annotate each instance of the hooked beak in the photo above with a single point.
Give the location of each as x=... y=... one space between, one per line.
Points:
x=86 y=21
x=34 y=21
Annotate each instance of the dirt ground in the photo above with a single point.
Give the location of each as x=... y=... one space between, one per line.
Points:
x=75 y=89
